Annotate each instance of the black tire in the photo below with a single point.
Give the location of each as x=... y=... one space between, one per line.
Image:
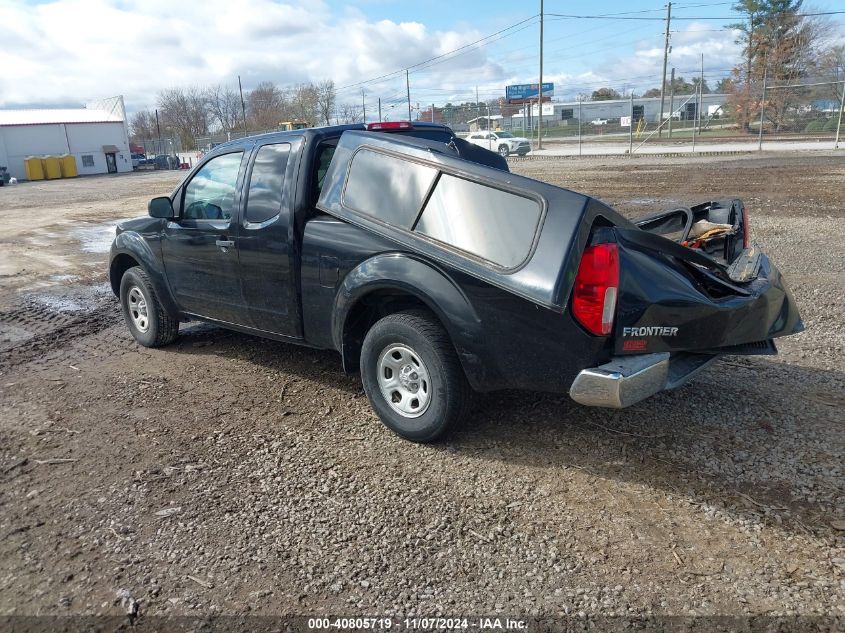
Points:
x=504 y=151
x=447 y=388
x=160 y=329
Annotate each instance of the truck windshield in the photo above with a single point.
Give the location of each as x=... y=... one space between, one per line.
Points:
x=504 y=134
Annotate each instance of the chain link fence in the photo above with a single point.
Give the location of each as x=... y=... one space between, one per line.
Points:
x=770 y=115
x=811 y=108
x=156 y=153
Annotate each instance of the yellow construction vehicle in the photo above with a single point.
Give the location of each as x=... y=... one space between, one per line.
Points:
x=287 y=126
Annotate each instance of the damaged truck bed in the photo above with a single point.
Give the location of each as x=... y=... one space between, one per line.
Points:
x=435 y=271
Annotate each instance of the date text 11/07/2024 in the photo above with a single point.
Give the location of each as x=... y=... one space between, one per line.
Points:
x=417 y=624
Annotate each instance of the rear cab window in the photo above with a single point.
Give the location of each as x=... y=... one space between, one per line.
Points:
x=439 y=135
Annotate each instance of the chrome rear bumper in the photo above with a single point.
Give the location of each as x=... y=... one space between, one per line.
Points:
x=626 y=380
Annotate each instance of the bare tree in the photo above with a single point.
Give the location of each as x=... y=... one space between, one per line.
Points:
x=326 y=96
x=142 y=125
x=349 y=113
x=830 y=66
x=184 y=112
x=224 y=107
x=303 y=103
x=266 y=106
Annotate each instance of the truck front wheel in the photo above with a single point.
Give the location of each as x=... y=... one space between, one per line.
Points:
x=412 y=376
x=148 y=322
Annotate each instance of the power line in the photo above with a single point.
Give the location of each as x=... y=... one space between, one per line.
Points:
x=423 y=66
x=698 y=6
x=430 y=63
x=431 y=59
x=722 y=30
x=427 y=64
x=617 y=16
x=579 y=45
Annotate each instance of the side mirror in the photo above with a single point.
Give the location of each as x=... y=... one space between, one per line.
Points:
x=161 y=208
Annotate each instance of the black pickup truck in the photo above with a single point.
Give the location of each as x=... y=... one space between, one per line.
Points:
x=437 y=272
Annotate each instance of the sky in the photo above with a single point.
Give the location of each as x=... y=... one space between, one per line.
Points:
x=64 y=53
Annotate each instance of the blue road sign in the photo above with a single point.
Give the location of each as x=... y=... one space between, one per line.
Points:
x=523 y=92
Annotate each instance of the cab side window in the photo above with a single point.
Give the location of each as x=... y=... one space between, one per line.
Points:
x=211 y=193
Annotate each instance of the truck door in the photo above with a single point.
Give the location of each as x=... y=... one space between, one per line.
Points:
x=198 y=248
x=266 y=238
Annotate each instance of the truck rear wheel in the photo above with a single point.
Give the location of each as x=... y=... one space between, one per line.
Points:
x=412 y=376
x=504 y=150
x=148 y=322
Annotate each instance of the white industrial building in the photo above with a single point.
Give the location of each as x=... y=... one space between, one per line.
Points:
x=555 y=113
x=97 y=136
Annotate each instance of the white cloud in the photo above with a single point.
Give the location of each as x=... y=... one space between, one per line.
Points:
x=637 y=64
x=643 y=69
x=70 y=51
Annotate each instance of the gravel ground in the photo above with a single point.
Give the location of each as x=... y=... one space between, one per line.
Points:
x=230 y=475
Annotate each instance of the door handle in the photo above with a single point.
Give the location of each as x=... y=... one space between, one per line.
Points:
x=225 y=243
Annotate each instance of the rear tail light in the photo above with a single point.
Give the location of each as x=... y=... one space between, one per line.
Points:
x=745 y=228
x=596 y=288
x=390 y=125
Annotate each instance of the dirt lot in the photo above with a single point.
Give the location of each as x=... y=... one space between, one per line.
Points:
x=227 y=474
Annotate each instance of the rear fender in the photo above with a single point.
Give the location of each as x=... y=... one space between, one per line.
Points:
x=138 y=248
x=430 y=285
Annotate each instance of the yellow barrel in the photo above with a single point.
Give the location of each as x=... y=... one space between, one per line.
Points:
x=68 y=165
x=33 y=168
x=52 y=167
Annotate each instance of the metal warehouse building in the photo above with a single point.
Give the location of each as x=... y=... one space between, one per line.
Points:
x=97 y=137
x=644 y=107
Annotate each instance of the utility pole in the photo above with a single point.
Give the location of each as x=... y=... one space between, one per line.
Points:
x=477 y=108
x=379 y=109
x=364 y=106
x=432 y=113
x=671 y=102
x=763 y=104
x=701 y=91
x=158 y=130
x=243 y=105
x=580 y=99
x=408 y=88
x=694 y=126
x=665 y=60
x=540 y=100
x=839 y=125
x=631 y=126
